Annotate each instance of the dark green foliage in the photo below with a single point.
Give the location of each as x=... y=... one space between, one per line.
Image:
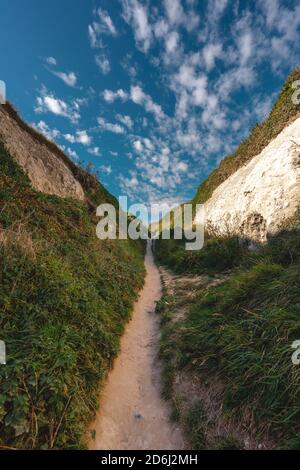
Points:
x=64 y=299
x=217 y=255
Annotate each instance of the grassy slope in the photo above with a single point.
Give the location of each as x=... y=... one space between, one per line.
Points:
x=243 y=329
x=94 y=191
x=64 y=298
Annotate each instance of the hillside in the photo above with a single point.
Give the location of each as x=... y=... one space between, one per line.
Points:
x=61 y=309
x=230 y=317
x=283 y=113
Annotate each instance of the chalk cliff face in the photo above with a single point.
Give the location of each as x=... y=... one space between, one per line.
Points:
x=47 y=172
x=261 y=196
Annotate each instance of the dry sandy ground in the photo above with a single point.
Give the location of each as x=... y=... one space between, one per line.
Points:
x=132 y=414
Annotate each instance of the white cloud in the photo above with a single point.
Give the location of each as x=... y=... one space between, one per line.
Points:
x=245 y=47
x=81 y=137
x=115 y=128
x=51 y=134
x=95 y=41
x=47 y=102
x=161 y=28
x=137 y=15
x=70 y=138
x=56 y=106
x=103 y=64
x=138 y=146
x=148 y=143
x=210 y=53
x=70 y=78
x=51 y=60
x=71 y=153
x=174 y=11
x=125 y=120
x=110 y=96
x=172 y=42
x=181 y=166
x=95 y=151
x=139 y=97
x=177 y=16
x=104 y=25
x=106 y=169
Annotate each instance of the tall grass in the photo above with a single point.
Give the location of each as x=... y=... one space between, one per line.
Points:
x=242 y=331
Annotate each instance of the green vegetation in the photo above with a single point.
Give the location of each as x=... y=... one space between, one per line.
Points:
x=283 y=112
x=244 y=330
x=241 y=331
x=218 y=254
x=64 y=299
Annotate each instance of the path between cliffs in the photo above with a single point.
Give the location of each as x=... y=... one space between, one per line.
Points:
x=132 y=414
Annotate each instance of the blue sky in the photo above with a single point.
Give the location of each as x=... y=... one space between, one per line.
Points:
x=152 y=93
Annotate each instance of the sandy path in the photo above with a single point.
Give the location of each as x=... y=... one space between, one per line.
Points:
x=132 y=413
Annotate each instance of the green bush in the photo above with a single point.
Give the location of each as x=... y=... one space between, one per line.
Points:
x=217 y=255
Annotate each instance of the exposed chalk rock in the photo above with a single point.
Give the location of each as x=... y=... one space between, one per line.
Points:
x=259 y=197
x=46 y=171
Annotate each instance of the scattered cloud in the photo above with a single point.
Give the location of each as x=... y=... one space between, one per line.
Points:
x=138 y=96
x=103 y=25
x=70 y=78
x=72 y=153
x=103 y=63
x=111 y=96
x=105 y=169
x=106 y=25
x=47 y=102
x=51 y=134
x=108 y=126
x=94 y=151
x=136 y=14
x=211 y=52
x=51 y=60
x=194 y=83
x=125 y=120
x=80 y=137
x=138 y=146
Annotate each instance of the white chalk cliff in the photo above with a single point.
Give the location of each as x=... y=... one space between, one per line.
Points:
x=263 y=194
